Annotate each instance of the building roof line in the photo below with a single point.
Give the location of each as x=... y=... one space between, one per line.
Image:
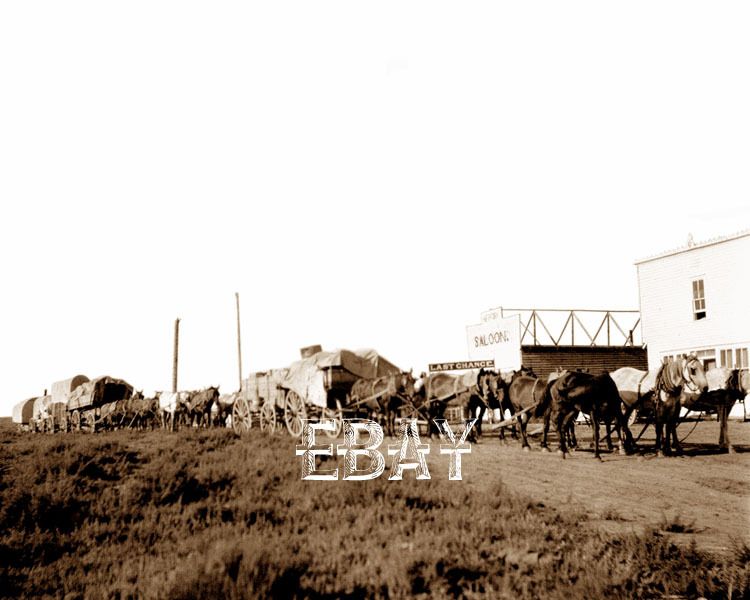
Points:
x=696 y=246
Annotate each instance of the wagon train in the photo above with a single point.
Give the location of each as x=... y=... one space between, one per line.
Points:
x=75 y=404
x=362 y=384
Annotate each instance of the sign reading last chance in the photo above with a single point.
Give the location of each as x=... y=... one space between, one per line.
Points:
x=459 y=366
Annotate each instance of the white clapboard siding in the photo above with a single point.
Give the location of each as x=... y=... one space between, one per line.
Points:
x=666 y=297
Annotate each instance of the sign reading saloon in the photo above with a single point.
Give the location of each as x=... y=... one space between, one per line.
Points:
x=498 y=339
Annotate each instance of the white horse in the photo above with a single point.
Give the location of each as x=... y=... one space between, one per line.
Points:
x=676 y=382
x=170 y=405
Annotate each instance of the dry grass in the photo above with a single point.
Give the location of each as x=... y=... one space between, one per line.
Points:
x=207 y=514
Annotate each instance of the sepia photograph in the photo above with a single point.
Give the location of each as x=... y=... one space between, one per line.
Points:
x=375 y=300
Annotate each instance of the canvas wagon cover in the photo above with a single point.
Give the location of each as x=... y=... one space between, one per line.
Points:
x=307 y=376
x=98 y=391
x=61 y=389
x=23 y=411
x=41 y=406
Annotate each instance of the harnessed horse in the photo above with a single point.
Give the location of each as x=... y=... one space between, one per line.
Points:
x=596 y=395
x=492 y=393
x=672 y=379
x=528 y=397
x=199 y=405
x=725 y=387
x=383 y=396
x=171 y=406
x=441 y=390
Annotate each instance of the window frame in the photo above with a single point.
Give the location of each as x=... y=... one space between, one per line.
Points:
x=698 y=303
x=741 y=358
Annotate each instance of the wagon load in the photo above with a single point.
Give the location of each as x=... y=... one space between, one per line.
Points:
x=61 y=390
x=23 y=412
x=93 y=400
x=317 y=386
x=330 y=375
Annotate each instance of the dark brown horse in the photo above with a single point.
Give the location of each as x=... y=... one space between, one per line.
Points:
x=145 y=412
x=492 y=393
x=200 y=404
x=527 y=395
x=595 y=395
x=726 y=386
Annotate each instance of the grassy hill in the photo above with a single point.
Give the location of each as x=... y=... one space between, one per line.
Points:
x=208 y=514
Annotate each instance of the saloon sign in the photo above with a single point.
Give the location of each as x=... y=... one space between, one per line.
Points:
x=497 y=339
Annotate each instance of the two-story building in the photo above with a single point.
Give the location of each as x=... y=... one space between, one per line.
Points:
x=697 y=299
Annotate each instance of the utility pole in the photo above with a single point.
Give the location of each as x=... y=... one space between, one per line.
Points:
x=175 y=353
x=239 y=344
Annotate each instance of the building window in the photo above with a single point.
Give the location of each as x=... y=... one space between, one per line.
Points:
x=699 y=300
x=726 y=358
x=740 y=355
x=707 y=357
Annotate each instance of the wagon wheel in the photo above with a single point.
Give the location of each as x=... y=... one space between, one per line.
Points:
x=75 y=421
x=268 y=421
x=242 y=420
x=294 y=413
x=337 y=415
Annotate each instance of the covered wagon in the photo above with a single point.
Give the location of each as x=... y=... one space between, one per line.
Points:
x=92 y=400
x=23 y=412
x=317 y=386
x=46 y=415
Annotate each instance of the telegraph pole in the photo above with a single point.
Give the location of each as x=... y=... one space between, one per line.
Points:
x=239 y=344
x=175 y=353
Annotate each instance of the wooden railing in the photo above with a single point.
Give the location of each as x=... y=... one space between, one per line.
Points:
x=547 y=327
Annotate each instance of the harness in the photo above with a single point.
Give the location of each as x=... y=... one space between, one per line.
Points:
x=516 y=417
x=665 y=381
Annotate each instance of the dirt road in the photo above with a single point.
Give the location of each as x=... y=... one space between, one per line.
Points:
x=703 y=493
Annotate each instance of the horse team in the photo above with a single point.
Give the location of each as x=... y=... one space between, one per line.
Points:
x=168 y=410
x=609 y=398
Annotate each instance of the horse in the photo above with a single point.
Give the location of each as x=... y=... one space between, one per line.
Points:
x=570 y=429
x=492 y=393
x=486 y=396
x=725 y=387
x=596 y=395
x=673 y=378
x=528 y=397
x=144 y=411
x=441 y=390
x=382 y=397
x=222 y=408
x=636 y=390
x=172 y=405
x=199 y=406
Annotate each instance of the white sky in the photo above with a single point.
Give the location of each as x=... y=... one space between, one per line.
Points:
x=364 y=175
